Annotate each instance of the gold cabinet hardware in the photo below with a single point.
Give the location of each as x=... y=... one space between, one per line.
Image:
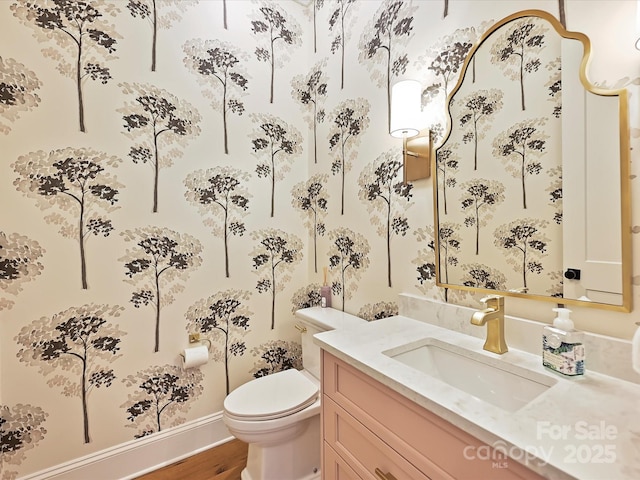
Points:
x=384 y=476
x=300 y=329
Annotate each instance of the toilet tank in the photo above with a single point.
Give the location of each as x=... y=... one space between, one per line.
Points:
x=317 y=320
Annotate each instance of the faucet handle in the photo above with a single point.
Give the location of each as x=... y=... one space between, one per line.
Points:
x=497 y=300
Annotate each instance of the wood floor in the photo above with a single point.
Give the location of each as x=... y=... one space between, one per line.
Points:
x=224 y=462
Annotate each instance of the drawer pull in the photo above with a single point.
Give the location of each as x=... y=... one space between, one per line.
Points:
x=300 y=328
x=384 y=476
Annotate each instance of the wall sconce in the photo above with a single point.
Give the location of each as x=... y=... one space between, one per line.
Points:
x=405 y=119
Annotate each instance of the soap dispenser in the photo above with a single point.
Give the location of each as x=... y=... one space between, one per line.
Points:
x=562 y=345
x=325 y=291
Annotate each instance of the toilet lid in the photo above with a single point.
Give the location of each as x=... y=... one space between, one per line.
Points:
x=272 y=396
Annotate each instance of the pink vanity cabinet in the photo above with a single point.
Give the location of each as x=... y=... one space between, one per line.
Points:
x=371 y=432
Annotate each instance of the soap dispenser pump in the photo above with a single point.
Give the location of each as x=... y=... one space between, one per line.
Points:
x=562 y=345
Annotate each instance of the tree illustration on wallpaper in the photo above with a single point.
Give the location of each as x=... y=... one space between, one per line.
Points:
x=311 y=199
x=21 y=429
x=276 y=145
x=524 y=244
x=159 y=119
x=425 y=261
x=19 y=263
x=160 y=14
x=391 y=27
x=82 y=33
x=520 y=148
x=220 y=193
x=479 y=198
x=562 y=13
x=218 y=67
x=159 y=262
x=272 y=23
x=516 y=51
x=309 y=90
x=475 y=114
x=223 y=318
x=273 y=258
x=306 y=297
x=339 y=21
x=79 y=340
x=447 y=59
x=378 y=311
x=387 y=198
x=317 y=6
x=555 y=192
x=554 y=86
x=78 y=182
x=556 y=280
x=162 y=393
x=449 y=245
x=276 y=356
x=18 y=87
x=349 y=255
x=348 y=121
x=447 y=163
x=483 y=276
x=224 y=14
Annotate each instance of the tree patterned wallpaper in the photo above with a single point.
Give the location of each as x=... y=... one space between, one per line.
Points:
x=197 y=174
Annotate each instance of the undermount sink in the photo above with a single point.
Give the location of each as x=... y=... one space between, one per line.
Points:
x=482 y=377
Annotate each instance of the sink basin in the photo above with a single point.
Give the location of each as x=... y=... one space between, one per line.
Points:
x=482 y=377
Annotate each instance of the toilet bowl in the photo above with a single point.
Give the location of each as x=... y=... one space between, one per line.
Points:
x=278 y=415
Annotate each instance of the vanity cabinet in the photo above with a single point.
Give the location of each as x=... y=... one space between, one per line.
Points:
x=371 y=432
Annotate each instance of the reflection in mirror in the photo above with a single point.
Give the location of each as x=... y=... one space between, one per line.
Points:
x=532 y=182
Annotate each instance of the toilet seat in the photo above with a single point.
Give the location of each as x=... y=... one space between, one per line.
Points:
x=272 y=396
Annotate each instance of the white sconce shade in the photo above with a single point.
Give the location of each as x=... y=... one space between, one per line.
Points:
x=405 y=108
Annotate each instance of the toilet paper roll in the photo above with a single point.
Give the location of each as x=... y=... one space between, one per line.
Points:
x=195 y=356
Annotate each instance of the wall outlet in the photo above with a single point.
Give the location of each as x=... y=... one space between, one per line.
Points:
x=194 y=337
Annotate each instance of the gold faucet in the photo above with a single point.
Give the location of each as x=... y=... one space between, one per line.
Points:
x=493 y=317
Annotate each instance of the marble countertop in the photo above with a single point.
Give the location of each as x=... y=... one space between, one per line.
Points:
x=585 y=427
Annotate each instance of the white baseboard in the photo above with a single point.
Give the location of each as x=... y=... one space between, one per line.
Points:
x=137 y=457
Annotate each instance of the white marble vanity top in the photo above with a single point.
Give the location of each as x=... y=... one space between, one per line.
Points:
x=586 y=427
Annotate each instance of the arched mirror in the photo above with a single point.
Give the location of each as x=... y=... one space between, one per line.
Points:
x=531 y=183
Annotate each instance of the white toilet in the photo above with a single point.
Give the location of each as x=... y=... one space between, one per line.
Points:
x=279 y=415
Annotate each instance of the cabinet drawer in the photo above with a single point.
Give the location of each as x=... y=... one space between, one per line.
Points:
x=334 y=467
x=434 y=446
x=361 y=449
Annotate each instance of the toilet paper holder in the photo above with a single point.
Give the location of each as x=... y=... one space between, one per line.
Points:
x=198 y=341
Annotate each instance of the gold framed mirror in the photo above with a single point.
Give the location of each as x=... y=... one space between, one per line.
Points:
x=531 y=182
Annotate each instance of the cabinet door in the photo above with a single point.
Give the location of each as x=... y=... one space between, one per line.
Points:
x=361 y=449
x=334 y=467
x=591 y=222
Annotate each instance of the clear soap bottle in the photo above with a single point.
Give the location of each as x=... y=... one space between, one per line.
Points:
x=325 y=291
x=562 y=345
